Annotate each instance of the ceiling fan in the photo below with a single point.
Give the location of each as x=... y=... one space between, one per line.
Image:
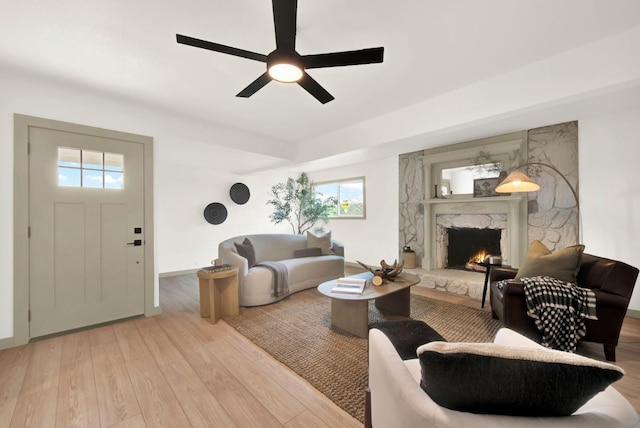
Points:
x=284 y=64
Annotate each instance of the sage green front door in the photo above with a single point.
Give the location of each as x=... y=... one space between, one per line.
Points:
x=86 y=245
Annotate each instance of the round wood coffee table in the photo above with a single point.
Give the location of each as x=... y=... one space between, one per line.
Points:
x=350 y=312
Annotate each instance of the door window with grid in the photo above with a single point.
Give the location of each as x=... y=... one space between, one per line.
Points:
x=88 y=168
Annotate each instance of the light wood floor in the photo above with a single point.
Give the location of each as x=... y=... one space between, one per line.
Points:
x=173 y=370
x=177 y=370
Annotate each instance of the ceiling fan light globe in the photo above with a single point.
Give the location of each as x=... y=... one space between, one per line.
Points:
x=284 y=72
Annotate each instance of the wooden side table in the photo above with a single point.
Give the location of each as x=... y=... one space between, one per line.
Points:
x=218 y=293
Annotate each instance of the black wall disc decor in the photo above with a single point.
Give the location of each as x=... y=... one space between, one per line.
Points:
x=239 y=193
x=215 y=213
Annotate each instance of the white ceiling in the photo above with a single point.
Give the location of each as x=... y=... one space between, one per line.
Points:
x=432 y=49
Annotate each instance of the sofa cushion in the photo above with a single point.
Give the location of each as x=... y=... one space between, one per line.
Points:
x=246 y=250
x=321 y=241
x=313 y=270
x=540 y=261
x=307 y=252
x=498 y=379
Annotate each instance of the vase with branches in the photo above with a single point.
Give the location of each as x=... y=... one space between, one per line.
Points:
x=296 y=202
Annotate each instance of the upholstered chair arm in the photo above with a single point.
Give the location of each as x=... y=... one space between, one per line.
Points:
x=514 y=310
x=513 y=289
x=620 y=281
x=230 y=256
x=337 y=248
x=498 y=273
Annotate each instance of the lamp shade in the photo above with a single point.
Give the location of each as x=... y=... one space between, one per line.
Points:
x=517 y=181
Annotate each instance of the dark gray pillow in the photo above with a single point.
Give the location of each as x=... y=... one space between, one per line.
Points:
x=246 y=250
x=497 y=379
x=307 y=252
x=407 y=335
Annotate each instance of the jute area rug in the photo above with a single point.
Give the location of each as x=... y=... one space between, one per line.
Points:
x=297 y=332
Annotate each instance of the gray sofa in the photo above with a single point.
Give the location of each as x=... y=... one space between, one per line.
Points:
x=257 y=283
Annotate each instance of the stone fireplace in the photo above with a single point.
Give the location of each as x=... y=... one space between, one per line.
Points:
x=429 y=208
x=501 y=215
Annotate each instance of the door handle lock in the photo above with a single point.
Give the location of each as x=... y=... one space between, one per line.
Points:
x=135 y=243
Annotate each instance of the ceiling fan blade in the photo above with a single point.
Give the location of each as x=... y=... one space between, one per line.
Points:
x=203 y=44
x=315 y=89
x=284 y=21
x=338 y=59
x=255 y=86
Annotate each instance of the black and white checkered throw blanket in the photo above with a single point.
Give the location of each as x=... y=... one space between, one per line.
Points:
x=559 y=309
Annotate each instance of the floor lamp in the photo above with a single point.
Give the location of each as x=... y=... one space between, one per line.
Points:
x=517 y=181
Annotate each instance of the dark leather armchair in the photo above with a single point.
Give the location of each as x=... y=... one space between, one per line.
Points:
x=611 y=281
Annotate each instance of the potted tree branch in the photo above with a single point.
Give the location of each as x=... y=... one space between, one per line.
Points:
x=296 y=203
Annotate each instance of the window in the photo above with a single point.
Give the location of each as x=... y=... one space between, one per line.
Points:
x=350 y=196
x=86 y=168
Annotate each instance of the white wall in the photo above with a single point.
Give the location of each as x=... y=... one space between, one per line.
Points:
x=185 y=183
x=376 y=237
x=609 y=146
x=190 y=171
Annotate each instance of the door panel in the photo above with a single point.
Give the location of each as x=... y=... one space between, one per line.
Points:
x=69 y=255
x=82 y=271
x=114 y=260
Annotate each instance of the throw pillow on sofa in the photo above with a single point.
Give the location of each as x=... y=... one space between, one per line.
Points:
x=562 y=264
x=321 y=241
x=246 y=250
x=307 y=252
x=498 y=379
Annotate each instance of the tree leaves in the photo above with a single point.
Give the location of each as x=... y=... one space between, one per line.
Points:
x=296 y=202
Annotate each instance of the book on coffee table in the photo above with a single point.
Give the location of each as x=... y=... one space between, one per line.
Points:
x=349 y=285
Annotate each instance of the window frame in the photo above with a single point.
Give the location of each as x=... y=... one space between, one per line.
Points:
x=338 y=182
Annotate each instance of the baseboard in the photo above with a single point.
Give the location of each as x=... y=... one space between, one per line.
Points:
x=6 y=343
x=633 y=313
x=356 y=265
x=176 y=273
x=155 y=311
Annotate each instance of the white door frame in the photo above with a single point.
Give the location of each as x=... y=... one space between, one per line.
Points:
x=22 y=124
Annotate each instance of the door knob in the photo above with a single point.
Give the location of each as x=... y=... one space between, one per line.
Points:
x=136 y=243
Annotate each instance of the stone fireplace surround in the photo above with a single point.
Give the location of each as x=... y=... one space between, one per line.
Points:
x=500 y=212
x=507 y=213
x=550 y=214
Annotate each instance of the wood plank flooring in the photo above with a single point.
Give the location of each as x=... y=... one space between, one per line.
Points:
x=178 y=370
x=174 y=370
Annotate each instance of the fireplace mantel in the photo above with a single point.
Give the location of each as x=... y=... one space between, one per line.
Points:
x=509 y=149
x=478 y=203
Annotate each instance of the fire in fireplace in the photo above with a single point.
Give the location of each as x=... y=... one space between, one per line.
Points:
x=469 y=246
